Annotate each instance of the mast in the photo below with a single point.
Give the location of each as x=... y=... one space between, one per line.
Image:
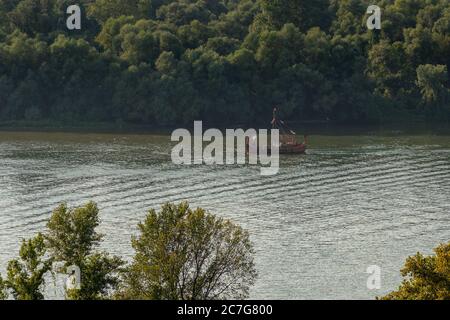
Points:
x=286 y=134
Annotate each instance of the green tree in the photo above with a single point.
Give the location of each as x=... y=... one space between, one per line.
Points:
x=140 y=44
x=108 y=37
x=236 y=22
x=71 y=232
x=194 y=34
x=3 y=293
x=386 y=67
x=302 y=13
x=432 y=80
x=25 y=276
x=71 y=238
x=189 y=254
x=349 y=16
x=182 y=13
x=231 y=60
x=102 y=10
x=427 y=277
x=99 y=277
x=34 y=16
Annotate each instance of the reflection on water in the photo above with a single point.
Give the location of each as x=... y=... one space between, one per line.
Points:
x=351 y=202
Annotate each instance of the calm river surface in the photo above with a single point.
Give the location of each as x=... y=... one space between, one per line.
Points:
x=351 y=202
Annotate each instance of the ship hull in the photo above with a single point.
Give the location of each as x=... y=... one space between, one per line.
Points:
x=293 y=149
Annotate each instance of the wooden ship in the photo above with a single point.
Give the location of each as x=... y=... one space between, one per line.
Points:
x=289 y=143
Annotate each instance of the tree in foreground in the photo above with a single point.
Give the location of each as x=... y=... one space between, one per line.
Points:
x=71 y=239
x=189 y=254
x=25 y=275
x=428 y=277
x=3 y=293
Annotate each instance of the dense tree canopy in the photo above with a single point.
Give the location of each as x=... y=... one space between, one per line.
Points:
x=168 y=62
x=426 y=277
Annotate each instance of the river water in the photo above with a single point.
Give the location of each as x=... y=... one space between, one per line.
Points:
x=351 y=202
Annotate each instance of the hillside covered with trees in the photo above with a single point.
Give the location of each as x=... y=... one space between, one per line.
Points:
x=169 y=62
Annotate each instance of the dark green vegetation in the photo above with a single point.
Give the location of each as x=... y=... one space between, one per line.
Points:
x=70 y=240
x=209 y=258
x=26 y=274
x=426 y=277
x=168 y=62
x=180 y=254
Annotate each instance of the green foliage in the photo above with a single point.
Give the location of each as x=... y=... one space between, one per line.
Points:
x=349 y=18
x=427 y=277
x=169 y=62
x=70 y=239
x=432 y=80
x=99 y=277
x=3 y=293
x=189 y=254
x=34 y=16
x=71 y=233
x=25 y=276
x=102 y=10
x=386 y=68
x=180 y=254
x=302 y=13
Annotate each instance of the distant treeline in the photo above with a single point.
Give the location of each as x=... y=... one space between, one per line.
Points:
x=169 y=62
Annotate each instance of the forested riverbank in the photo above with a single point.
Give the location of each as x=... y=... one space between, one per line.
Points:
x=167 y=63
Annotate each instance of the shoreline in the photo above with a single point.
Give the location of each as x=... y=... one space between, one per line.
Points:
x=306 y=127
